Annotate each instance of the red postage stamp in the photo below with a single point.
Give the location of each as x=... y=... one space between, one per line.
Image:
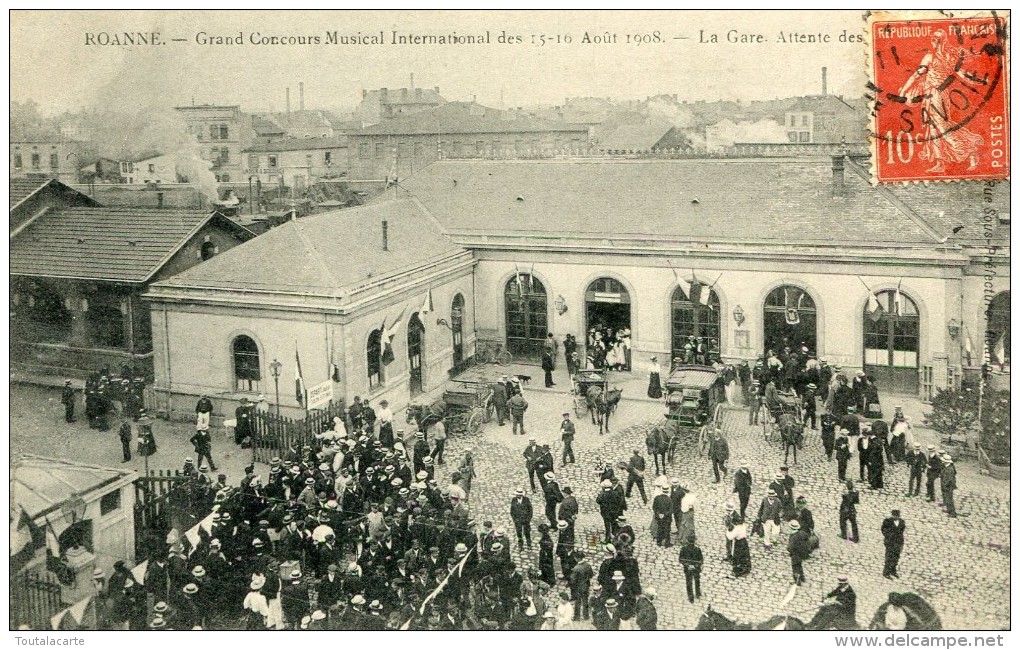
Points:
x=940 y=97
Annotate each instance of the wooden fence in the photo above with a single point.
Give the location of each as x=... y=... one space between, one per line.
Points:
x=275 y=435
x=35 y=598
x=162 y=501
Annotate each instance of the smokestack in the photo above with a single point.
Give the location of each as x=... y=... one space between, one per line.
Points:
x=385 y=235
x=838 y=177
x=301 y=95
x=288 y=100
x=825 y=72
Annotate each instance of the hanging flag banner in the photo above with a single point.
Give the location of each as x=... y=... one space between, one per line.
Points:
x=792 y=313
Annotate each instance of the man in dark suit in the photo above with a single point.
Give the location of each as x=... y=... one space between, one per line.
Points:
x=934 y=471
x=67 y=399
x=531 y=455
x=662 y=510
x=547 y=366
x=917 y=462
x=521 y=513
x=848 y=511
x=499 y=400
x=893 y=528
x=553 y=497
x=843 y=453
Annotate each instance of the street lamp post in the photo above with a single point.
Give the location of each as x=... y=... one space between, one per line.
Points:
x=274 y=369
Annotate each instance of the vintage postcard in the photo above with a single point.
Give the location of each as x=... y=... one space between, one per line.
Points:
x=510 y=320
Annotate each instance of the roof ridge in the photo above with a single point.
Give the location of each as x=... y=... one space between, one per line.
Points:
x=899 y=204
x=314 y=252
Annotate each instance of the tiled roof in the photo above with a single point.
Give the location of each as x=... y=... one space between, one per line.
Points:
x=299 y=144
x=112 y=244
x=776 y=200
x=633 y=137
x=947 y=206
x=326 y=253
x=22 y=188
x=465 y=117
x=40 y=484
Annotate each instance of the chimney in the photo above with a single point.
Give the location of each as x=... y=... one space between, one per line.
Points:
x=384 y=92
x=436 y=89
x=301 y=95
x=288 y=100
x=838 y=179
x=474 y=99
x=159 y=200
x=412 y=80
x=385 y=235
x=364 y=93
x=825 y=72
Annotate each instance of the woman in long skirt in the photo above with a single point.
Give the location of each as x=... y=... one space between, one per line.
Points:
x=740 y=550
x=545 y=556
x=654 y=383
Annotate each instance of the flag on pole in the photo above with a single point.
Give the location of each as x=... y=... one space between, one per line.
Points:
x=704 y=293
x=684 y=285
x=531 y=279
x=388 y=334
x=897 y=305
x=874 y=307
x=520 y=284
x=1000 y=350
x=426 y=306
x=968 y=347
x=299 y=382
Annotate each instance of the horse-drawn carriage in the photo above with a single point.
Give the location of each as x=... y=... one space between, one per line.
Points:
x=461 y=409
x=693 y=402
x=592 y=394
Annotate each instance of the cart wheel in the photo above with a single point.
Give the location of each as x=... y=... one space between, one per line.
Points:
x=475 y=420
x=579 y=407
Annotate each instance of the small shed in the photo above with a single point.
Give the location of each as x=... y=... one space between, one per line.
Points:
x=73 y=507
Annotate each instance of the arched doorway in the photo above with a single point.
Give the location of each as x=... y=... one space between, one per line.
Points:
x=997 y=329
x=607 y=310
x=415 y=352
x=689 y=317
x=892 y=336
x=527 y=315
x=790 y=320
x=457 y=328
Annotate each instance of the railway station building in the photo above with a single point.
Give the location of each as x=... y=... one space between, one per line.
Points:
x=755 y=254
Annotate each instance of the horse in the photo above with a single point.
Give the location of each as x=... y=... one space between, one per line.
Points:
x=713 y=620
x=671 y=438
x=656 y=443
x=601 y=405
x=792 y=433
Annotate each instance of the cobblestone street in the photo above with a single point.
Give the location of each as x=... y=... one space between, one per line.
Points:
x=961 y=566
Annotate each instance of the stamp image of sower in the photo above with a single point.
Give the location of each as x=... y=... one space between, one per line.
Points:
x=939 y=90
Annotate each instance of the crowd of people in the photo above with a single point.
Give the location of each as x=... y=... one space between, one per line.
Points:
x=355 y=532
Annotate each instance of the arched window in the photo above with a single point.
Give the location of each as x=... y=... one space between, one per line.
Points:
x=692 y=318
x=790 y=320
x=457 y=325
x=527 y=315
x=997 y=330
x=208 y=250
x=892 y=342
x=373 y=352
x=247 y=368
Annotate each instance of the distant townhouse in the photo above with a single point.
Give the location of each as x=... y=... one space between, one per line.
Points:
x=401 y=145
x=297 y=162
x=221 y=132
x=46 y=158
x=384 y=104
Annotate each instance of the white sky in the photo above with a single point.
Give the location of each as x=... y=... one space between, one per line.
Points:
x=51 y=64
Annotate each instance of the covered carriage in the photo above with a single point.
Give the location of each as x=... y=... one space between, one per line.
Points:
x=461 y=408
x=582 y=381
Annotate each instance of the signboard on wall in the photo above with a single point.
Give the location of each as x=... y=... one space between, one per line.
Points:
x=320 y=396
